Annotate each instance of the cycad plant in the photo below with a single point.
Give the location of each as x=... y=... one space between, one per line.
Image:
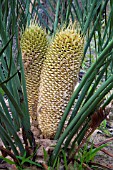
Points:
x=87 y=103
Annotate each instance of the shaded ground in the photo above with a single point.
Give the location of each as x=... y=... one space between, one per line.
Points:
x=100 y=136
x=103 y=157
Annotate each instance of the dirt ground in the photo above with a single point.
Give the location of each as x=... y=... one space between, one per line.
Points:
x=99 y=136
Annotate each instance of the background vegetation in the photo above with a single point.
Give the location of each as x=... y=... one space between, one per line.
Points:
x=94 y=92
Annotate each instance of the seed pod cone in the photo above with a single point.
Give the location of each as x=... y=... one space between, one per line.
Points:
x=33 y=44
x=58 y=78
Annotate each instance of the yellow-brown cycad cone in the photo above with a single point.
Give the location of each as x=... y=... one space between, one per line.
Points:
x=34 y=45
x=58 y=78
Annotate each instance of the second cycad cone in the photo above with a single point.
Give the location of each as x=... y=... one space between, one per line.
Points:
x=33 y=44
x=58 y=78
